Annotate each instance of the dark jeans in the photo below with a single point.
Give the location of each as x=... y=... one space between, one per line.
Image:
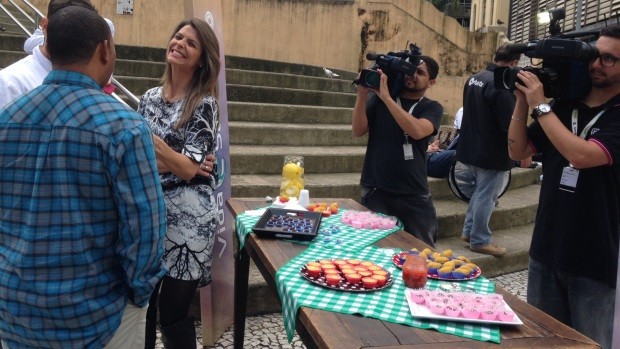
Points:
x=438 y=163
x=417 y=212
x=584 y=304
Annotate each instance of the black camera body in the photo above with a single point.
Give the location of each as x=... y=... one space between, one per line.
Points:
x=393 y=64
x=564 y=72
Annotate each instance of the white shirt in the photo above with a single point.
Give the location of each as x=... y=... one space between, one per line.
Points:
x=458 y=118
x=23 y=76
x=37 y=38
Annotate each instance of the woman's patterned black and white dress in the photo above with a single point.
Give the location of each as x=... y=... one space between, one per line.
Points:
x=190 y=206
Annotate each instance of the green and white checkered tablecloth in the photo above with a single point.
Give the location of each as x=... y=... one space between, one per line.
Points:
x=388 y=304
x=333 y=235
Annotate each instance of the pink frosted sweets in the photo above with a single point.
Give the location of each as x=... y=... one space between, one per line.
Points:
x=356 y=223
x=492 y=304
x=437 y=308
x=431 y=299
x=489 y=314
x=367 y=220
x=495 y=296
x=417 y=296
x=452 y=310
x=471 y=312
x=506 y=316
x=458 y=296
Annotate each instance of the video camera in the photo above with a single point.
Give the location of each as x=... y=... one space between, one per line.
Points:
x=565 y=63
x=393 y=64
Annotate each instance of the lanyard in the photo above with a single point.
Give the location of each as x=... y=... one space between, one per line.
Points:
x=410 y=111
x=586 y=129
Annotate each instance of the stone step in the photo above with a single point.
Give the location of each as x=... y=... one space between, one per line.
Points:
x=517 y=206
x=261 y=94
x=9 y=57
x=346 y=185
x=10 y=27
x=256 y=94
x=138 y=85
x=12 y=41
x=263 y=65
x=261 y=78
x=283 y=113
x=148 y=69
x=290 y=134
x=134 y=68
x=156 y=54
x=517 y=239
x=268 y=160
x=338 y=185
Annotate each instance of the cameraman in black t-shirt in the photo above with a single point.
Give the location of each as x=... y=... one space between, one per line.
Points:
x=394 y=179
x=574 y=251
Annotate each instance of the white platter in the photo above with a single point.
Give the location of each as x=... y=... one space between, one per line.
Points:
x=421 y=311
x=292 y=202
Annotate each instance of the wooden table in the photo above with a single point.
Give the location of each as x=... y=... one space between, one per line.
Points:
x=323 y=329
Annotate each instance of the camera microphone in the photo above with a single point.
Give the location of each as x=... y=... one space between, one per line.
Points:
x=372 y=56
x=517 y=48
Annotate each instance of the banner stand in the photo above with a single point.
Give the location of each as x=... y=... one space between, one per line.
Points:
x=216 y=300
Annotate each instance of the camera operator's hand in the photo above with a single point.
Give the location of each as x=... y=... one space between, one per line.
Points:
x=384 y=91
x=360 y=88
x=531 y=87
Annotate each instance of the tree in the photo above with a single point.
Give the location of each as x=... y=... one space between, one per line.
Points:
x=444 y=5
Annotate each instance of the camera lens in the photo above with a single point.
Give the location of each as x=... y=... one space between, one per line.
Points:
x=372 y=79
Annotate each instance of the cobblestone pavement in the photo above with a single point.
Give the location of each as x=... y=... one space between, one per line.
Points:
x=267 y=331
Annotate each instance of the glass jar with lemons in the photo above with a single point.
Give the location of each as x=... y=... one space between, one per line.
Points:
x=292 y=181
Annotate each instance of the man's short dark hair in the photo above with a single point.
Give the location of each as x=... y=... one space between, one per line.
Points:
x=73 y=34
x=613 y=31
x=57 y=5
x=433 y=67
x=502 y=55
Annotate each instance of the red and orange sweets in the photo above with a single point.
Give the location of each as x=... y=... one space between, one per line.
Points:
x=353 y=271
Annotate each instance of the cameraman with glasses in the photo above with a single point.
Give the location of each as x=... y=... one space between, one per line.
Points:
x=574 y=250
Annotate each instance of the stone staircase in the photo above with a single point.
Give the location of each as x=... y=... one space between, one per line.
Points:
x=276 y=109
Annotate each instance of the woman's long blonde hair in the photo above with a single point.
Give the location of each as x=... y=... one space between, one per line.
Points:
x=204 y=82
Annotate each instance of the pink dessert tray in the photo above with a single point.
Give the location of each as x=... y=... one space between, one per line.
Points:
x=421 y=311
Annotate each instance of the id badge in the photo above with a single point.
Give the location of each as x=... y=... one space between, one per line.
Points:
x=408 y=151
x=568 y=182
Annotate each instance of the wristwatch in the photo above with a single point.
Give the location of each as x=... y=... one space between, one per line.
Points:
x=541 y=109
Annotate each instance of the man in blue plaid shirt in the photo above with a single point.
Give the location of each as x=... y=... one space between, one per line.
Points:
x=82 y=215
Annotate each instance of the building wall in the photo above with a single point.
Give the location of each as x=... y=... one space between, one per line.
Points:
x=336 y=34
x=489 y=13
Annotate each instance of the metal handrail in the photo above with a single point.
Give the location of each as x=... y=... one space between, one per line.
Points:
x=115 y=82
x=33 y=8
x=24 y=13
x=38 y=14
x=125 y=91
x=17 y=22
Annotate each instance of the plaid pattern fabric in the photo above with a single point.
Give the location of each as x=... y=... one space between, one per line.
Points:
x=83 y=215
x=333 y=235
x=388 y=304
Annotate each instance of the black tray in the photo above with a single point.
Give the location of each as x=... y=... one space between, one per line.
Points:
x=281 y=223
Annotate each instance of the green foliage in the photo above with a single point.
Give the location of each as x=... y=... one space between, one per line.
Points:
x=443 y=5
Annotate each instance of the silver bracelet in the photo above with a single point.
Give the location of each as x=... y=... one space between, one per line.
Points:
x=515 y=118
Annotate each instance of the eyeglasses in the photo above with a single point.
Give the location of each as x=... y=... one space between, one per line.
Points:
x=606 y=60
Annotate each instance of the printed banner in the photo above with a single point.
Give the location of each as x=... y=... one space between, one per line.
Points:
x=216 y=300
